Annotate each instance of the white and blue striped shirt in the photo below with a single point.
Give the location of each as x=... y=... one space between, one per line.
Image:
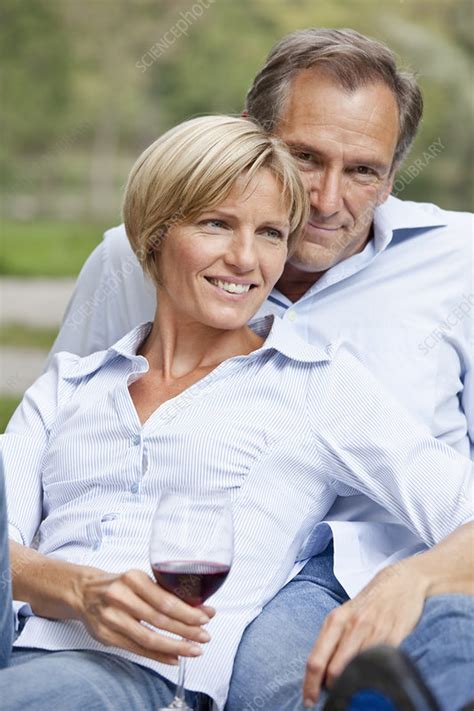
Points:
x=404 y=306
x=285 y=429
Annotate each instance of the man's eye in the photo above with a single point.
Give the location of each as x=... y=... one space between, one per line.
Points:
x=364 y=170
x=304 y=156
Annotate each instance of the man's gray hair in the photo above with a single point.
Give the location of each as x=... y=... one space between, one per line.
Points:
x=352 y=59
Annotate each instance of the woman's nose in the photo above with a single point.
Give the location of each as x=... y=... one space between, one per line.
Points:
x=242 y=254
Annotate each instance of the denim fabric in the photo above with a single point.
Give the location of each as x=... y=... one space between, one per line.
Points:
x=6 y=612
x=76 y=680
x=270 y=664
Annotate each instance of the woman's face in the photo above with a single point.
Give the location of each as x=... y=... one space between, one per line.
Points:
x=220 y=268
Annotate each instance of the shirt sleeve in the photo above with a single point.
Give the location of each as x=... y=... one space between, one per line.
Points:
x=22 y=449
x=111 y=297
x=467 y=308
x=368 y=442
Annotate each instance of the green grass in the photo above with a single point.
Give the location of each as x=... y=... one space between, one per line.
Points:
x=46 y=248
x=8 y=405
x=24 y=336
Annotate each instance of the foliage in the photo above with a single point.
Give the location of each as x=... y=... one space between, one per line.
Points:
x=25 y=336
x=43 y=248
x=78 y=105
x=8 y=405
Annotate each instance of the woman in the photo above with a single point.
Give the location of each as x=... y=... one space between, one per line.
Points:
x=196 y=400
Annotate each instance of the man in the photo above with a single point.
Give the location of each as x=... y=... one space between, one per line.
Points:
x=393 y=280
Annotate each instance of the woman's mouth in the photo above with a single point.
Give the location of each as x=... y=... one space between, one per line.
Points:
x=234 y=288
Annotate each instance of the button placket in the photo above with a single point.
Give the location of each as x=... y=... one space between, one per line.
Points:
x=138 y=440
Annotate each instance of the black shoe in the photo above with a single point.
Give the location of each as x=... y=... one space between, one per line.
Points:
x=380 y=679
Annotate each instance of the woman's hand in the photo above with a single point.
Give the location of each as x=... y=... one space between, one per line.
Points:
x=114 y=607
x=385 y=611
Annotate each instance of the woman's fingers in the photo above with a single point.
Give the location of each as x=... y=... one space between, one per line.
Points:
x=115 y=639
x=116 y=610
x=123 y=598
x=164 y=601
x=119 y=623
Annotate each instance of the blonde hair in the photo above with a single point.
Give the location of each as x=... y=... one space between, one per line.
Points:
x=192 y=168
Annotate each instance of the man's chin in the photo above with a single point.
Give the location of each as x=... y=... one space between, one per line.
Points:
x=312 y=258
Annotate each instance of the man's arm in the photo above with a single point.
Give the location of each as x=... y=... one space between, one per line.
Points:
x=388 y=609
x=393 y=459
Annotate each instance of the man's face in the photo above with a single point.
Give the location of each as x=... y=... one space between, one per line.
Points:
x=344 y=143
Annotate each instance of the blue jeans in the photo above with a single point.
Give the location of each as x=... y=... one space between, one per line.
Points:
x=6 y=612
x=77 y=680
x=270 y=663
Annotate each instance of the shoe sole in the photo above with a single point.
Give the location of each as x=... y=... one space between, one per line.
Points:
x=380 y=669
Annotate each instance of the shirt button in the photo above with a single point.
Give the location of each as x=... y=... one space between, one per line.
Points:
x=135 y=440
x=292 y=316
x=109 y=517
x=96 y=545
x=134 y=487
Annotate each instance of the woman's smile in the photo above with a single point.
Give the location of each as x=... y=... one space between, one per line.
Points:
x=231 y=287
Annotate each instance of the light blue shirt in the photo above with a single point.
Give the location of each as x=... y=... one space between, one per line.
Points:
x=284 y=429
x=404 y=306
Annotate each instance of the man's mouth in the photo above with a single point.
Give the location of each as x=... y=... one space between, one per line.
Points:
x=230 y=286
x=327 y=228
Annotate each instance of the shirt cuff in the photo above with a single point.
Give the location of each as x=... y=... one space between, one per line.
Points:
x=20 y=610
x=15 y=535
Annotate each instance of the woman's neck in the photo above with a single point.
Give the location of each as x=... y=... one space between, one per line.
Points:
x=177 y=347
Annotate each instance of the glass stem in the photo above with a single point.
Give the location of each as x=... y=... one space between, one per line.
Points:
x=182 y=672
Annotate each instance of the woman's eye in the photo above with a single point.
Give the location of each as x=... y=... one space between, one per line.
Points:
x=214 y=222
x=273 y=233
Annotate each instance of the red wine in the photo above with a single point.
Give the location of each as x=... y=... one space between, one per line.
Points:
x=192 y=581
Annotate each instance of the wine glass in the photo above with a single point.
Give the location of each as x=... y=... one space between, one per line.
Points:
x=191 y=551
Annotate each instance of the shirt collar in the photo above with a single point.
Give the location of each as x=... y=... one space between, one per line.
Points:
x=280 y=336
x=395 y=214
x=127 y=347
x=392 y=216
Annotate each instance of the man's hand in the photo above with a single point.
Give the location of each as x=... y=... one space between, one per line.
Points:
x=114 y=607
x=388 y=609
x=385 y=611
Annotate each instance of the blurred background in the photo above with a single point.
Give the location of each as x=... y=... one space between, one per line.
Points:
x=85 y=86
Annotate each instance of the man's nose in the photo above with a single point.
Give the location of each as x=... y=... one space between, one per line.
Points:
x=326 y=193
x=242 y=254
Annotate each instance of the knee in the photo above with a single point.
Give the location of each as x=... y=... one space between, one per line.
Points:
x=454 y=611
x=446 y=627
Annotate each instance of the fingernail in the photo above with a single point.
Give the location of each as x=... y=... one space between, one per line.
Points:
x=204 y=636
x=308 y=703
x=203 y=620
x=195 y=651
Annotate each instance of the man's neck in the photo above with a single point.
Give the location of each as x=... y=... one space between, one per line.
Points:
x=294 y=283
